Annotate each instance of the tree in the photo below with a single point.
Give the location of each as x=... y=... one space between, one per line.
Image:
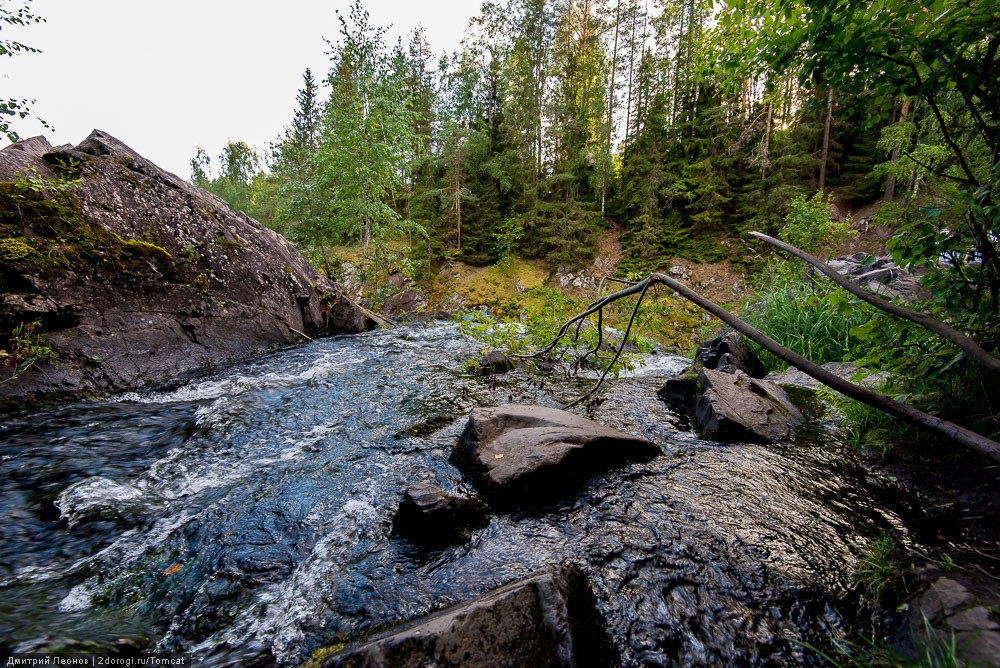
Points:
x=16 y=107
x=943 y=54
x=366 y=135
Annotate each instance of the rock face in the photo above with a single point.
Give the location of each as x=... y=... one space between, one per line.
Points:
x=432 y=516
x=546 y=619
x=517 y=454
x=729 y=352
x=734 y=406
x=135 y=274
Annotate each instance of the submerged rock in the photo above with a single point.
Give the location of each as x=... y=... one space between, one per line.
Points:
x=546 y=619
x=136 y=275
x=430 y=515
x=495 y=361
x=516 y=454
x=734 y=406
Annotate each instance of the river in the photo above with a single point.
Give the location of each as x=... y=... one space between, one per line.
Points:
x=248 y=512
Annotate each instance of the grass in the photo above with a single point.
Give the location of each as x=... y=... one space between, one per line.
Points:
x=807 y=319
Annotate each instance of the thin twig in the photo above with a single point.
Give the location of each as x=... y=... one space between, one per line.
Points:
x=645 y=286
x=302 y=334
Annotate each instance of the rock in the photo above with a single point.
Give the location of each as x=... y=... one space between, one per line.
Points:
x=944 y=596
x=430 y=515
x=680 y=391
x=519 y=286
x=150 y=275
x=405 y=303
x=973 y=619
x=546 y=619
x=397 y=280
x=517 y=454
x=678 y=270
x=729 y=352
x=736 y=407
x=495 y=362
x=881 y=275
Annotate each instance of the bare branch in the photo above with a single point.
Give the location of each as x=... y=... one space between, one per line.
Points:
x=975 y=442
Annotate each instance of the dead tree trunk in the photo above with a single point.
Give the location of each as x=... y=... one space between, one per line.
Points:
x=975 y=442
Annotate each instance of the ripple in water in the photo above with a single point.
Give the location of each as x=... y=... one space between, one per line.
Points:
x=251 y=510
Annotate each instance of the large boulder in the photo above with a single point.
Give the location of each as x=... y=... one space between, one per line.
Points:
x=136 y=275
x=518 y=454
x=546 y=619
x=736 y=407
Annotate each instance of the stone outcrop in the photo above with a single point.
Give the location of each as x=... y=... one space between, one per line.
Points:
x=518 y=454
x=734 y=406
x=431 y=516
x=729 y=352
x=136 y=275
x=945 y=613
x=547 y=619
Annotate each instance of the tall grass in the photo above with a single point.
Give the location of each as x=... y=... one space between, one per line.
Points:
x=808 y=319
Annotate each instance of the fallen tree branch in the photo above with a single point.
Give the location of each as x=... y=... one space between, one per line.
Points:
x=970 y=439
x=961 y=340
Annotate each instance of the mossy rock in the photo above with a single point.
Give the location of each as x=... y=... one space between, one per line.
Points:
x=49 y=237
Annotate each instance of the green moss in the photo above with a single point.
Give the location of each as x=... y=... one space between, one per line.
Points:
x=200 y=283
x=129 y=178
x=103 y=205
x=208 y=213
x=62 y=240
x=322 y=654
x=287 y=269
x=228 y=246
x=14 y=249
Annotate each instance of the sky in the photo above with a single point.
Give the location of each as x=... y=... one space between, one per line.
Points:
x=168 y=77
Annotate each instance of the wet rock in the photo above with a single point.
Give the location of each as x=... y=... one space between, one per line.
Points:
x=430 y=515
x=734 y=407
x=680 y=391
x=405 y=304
x=729 y=352
x=148 y=274
x=546 y=619
x=517 y=454
x=948 y=613
x=495 y=362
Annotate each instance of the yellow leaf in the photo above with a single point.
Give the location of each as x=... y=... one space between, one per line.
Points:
x=172 y=568
x=498 y=456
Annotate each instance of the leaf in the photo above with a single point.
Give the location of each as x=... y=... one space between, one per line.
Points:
x=172 y=568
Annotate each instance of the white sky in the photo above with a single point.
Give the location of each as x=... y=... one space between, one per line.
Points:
x=166 y=77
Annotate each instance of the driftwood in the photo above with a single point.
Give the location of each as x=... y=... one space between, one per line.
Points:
x=969 y=439
x=962 y=341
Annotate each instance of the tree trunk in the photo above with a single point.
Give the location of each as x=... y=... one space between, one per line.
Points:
x=611 y=108
x=767 y=140
x=890 y=181
x=826 y=142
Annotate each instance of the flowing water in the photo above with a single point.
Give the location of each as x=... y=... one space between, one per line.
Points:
x=249 y=512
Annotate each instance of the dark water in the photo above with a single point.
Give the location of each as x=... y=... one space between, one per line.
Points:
x=250 y=511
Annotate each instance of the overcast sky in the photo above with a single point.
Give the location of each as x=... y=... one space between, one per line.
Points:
x=166 y=77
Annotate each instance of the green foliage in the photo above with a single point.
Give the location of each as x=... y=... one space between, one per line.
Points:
x=813 y=319
x=538 y=324
x=506 y=238
x=24 y=349
x=881 y=569
x=810 y=227
x=16 y=107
